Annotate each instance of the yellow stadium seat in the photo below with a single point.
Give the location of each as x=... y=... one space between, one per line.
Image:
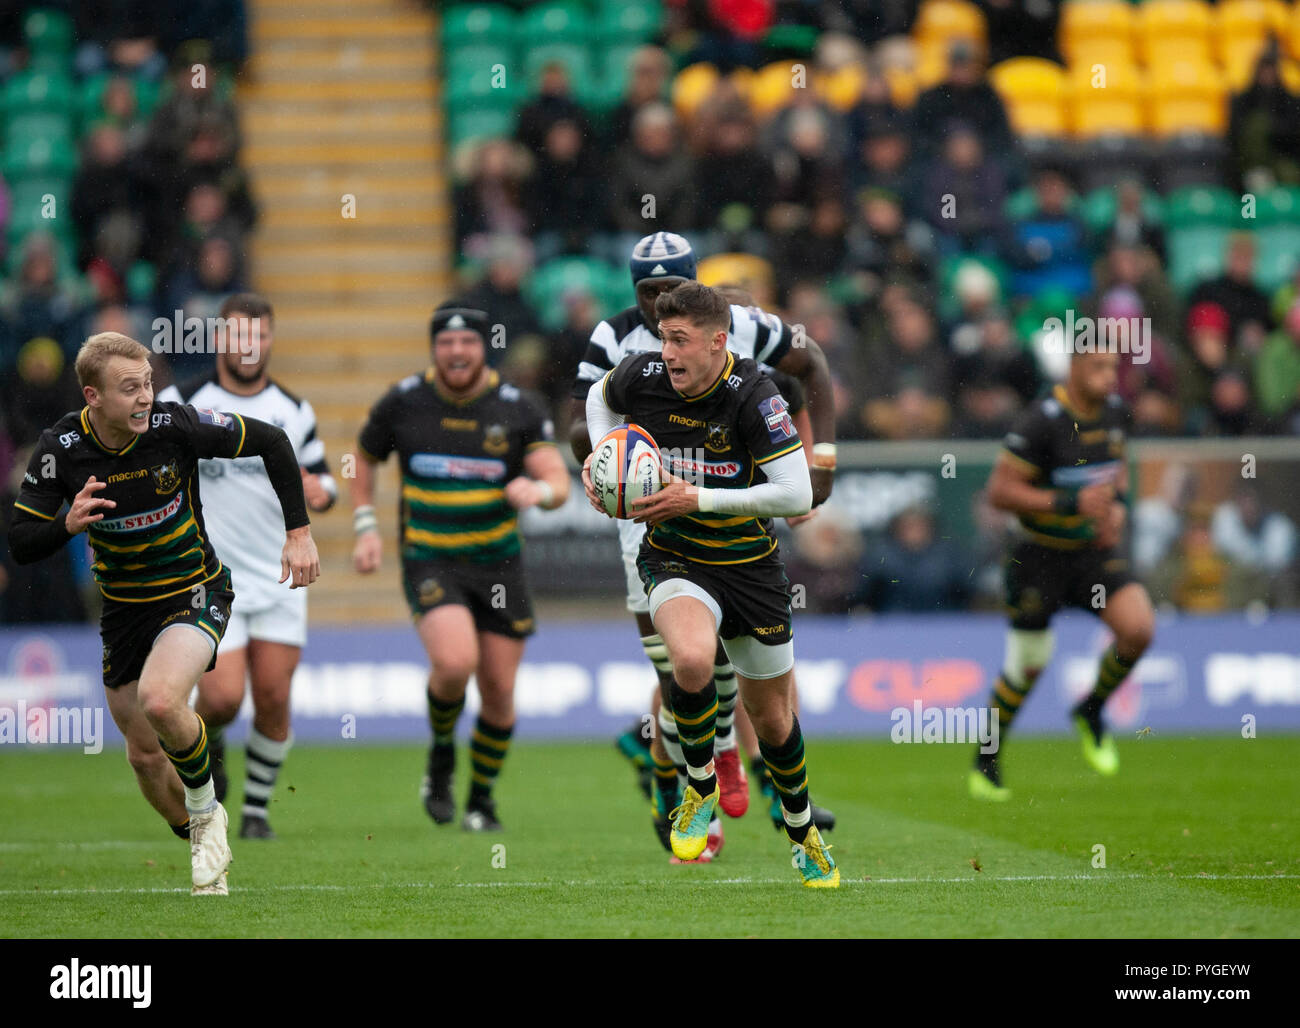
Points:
x=939 y=21
x=1240 y=21
x=842 y=87
x=903 y=85
x=691 y=86
x=1087 y=25
x=1239 y=57
x=1105 y=102
x=743 y=79
x=751 y=273
x=1292 y=32
x=931 y=64
x=1103 y=51
x=1169 y=29
x=1186 y=96
x=774 y=85
x=1034 y=91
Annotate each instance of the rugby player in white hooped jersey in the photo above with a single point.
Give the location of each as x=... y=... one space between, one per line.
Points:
x=660 y=262
x=268 y=624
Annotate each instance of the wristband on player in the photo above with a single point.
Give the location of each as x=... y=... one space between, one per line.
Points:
x=823 y=455
x=364 y=520
x=546 y=493
x=1065 y=501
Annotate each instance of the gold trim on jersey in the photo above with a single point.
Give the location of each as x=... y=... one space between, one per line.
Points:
x=90 y=431
x=460 y=540
x=798 y=444
x=452 y=498
x=726 y=373
x=47 y=517
x=431 y=376
x=153 y=599
x=1063 y=398
x=696 y=560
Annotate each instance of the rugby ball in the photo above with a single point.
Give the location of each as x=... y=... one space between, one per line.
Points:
x=625 y=466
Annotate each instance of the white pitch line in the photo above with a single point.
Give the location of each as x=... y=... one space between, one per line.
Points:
x=101 y=844
x=980 y=876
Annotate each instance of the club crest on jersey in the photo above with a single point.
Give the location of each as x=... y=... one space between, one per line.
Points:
x=166 y=477
x=429 y=591
x=214 y=417
x=777 y=415
x=495 y=441
x=718 y=437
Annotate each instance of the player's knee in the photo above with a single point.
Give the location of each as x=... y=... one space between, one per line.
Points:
x=221 y=710
x=146 y=762
x=453 y=668
x=693 y=671
x=156 y=705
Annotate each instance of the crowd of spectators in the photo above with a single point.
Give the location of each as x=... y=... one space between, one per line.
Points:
x=894 y=227
x=153 y=218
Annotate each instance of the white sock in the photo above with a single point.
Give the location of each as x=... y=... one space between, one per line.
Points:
x=202 y=799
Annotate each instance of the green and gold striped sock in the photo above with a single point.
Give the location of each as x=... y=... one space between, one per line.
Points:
x=1111 y=674
x=695 y=714
x=195 y=769
x=1007 y=698
x=487 y=752
x=665 y=780
x=788 y=768
x=443 y=718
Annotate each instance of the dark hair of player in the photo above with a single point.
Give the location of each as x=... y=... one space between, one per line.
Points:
x=701 y=306
x=253 y=304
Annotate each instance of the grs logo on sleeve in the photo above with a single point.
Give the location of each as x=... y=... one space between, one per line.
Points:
x=103 y=981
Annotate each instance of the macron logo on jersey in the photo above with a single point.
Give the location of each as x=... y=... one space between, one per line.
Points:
x=213 y=417
x=136 y=522
x=777 y=415
x=441 y=465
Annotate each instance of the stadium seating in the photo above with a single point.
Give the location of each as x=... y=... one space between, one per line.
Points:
x=1034 y=91
x=1106 y=102
x=470 y=24
x=1170 y=30
x=940 y=21
x=1093 y=31
x=1186 y=96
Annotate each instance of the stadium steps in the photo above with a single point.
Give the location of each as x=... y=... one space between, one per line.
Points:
x=340 y=98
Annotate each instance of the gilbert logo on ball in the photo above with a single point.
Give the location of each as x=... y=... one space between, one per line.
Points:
x=625 y=466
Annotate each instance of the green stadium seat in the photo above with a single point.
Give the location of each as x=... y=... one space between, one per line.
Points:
x=476 y=89
x=24 y=159
x=1099 y=207
x=468 y=59
x=484 y=123
x=467 y=24
x=609 y=83
x=48 y=32
x=560 y=21
x=1202 y=205
x=1023 y=204
x=141 y=282
x=51 y=64
x=624 y=23
x=1195 y=253
x=576 y=58
x=28 y=210
x=30 y=92
x=53 y=126
x=1280 y=206
x=550 y=281
x=1277 y=255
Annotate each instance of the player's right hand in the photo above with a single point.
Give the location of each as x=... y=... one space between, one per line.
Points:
x=366 y=552
x=84 y=505
x=1095 y=500
x=590 y=489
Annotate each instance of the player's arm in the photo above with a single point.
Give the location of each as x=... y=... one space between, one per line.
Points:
x=318 y=484
x=599 y=359
x=545 y=481
x=39 y=526
x=299 y=562
x=807 y=362
x=1012 y=488
x=374 y=444
x=603 y=416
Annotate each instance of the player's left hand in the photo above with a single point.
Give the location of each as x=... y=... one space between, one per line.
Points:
x=523 y=492
x=298 y=559
x=800 y=519
x=674 y=499
x=312 y=490
x=1111 y=527
x=822 y=481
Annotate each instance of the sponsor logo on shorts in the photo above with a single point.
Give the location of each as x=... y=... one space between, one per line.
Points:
x=136 y=522
x=176 y=614
x=522 y=625
x=441 y=465
x=769 y=629
x=217 y=616
x=674 y=567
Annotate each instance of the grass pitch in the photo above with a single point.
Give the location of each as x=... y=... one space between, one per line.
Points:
x=1200 y=837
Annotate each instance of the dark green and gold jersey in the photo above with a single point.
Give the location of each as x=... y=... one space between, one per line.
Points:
x=153 y=543
x=1062 y=450
x=717 y=440
x=456 y=458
